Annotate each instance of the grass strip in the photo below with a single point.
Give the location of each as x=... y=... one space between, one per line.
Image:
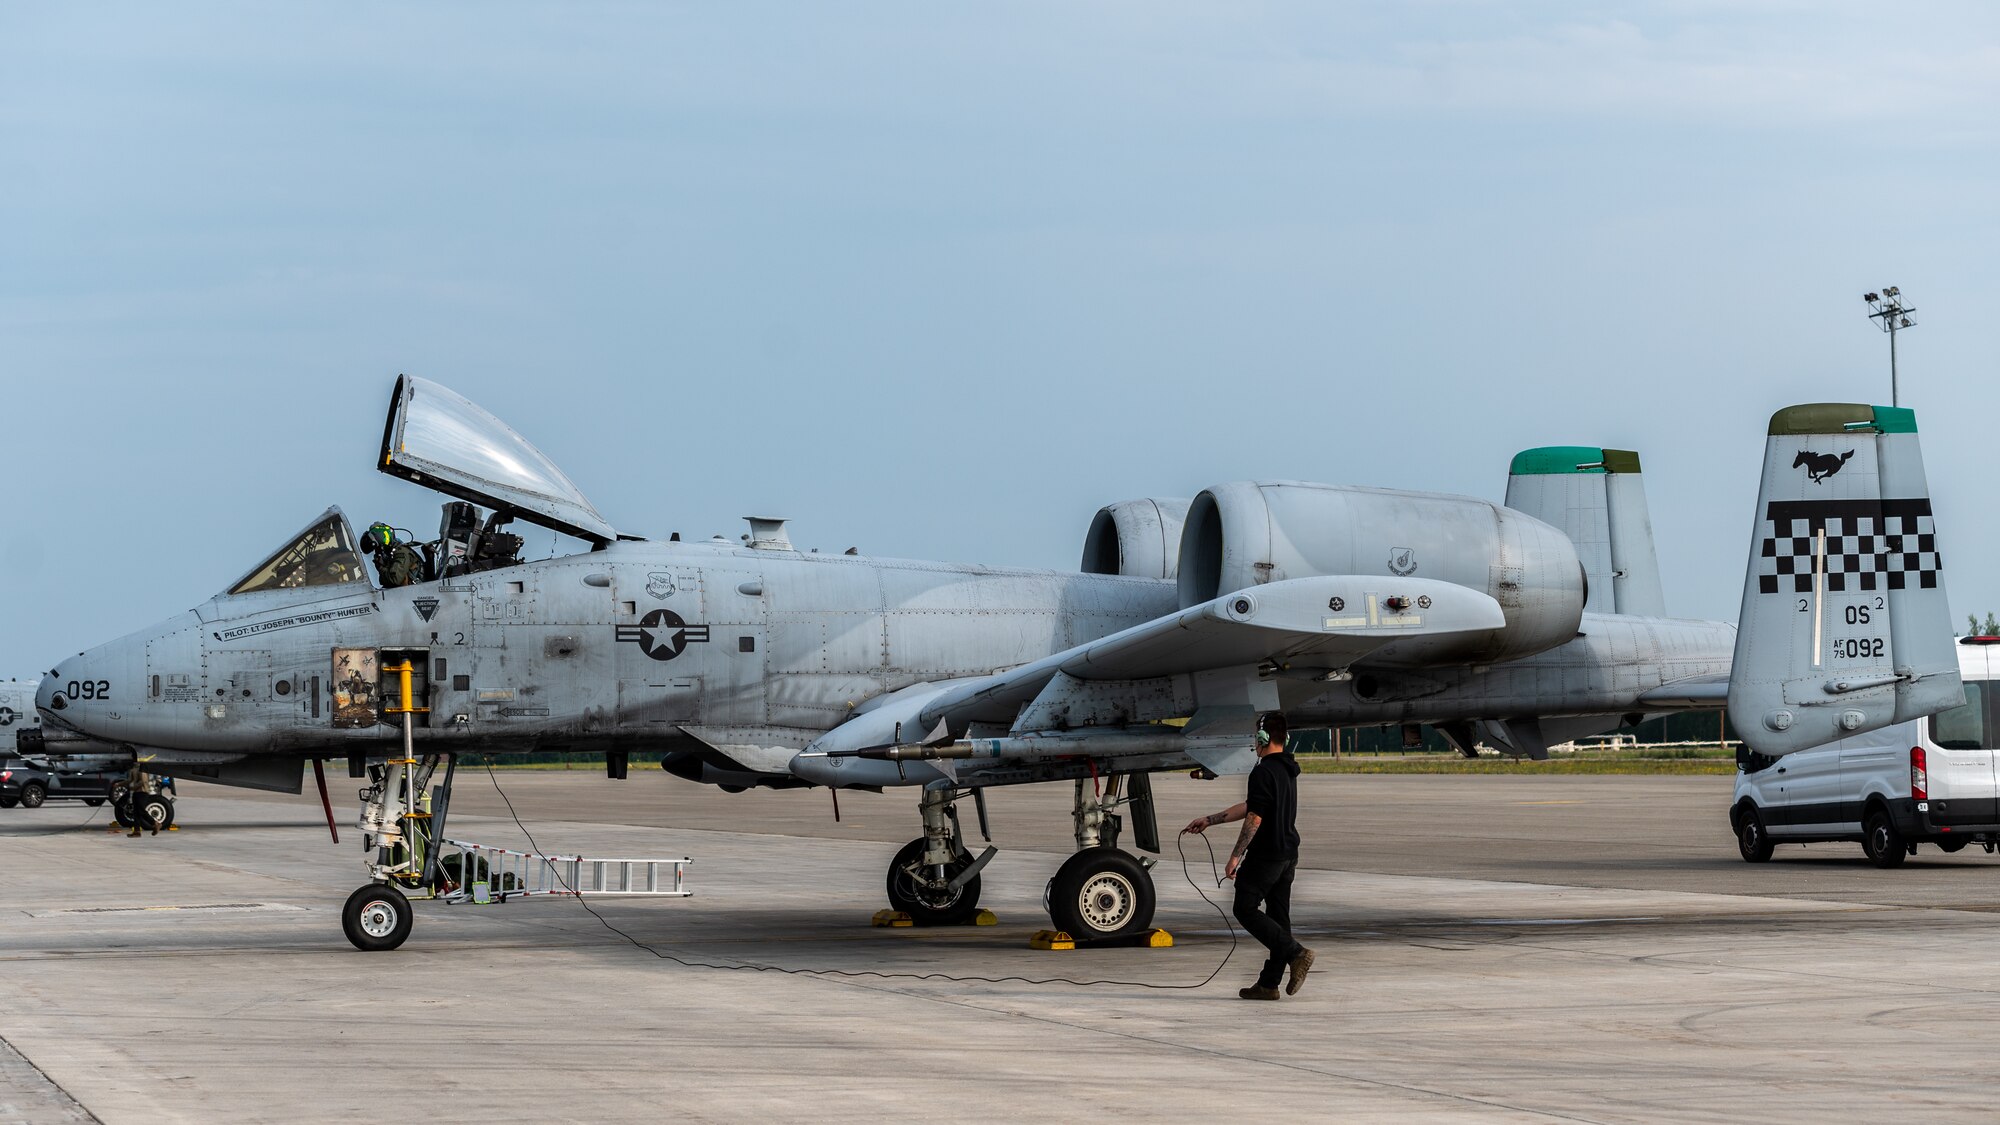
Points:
x=1619 y=767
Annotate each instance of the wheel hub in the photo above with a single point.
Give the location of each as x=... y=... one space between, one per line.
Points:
x=1107 y=900
x=936 y=895
x=378 y=919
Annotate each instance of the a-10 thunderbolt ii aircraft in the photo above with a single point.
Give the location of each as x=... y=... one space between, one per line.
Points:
x=756 y=664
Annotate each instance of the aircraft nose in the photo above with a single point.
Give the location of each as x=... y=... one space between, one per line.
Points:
x=68 y=692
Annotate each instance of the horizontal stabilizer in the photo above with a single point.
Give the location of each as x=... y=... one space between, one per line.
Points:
x=1705 y=693
x=1845 y=625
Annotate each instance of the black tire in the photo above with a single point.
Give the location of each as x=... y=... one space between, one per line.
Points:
x=93 y=802
x=1101 y=893
x=9 y=802
x=154 y=812
x=1752 y=840
x=1885 y=846
x=954 y=908
x=122 y=810
x=1952 y=844
x=376 y=918
x=33 y=794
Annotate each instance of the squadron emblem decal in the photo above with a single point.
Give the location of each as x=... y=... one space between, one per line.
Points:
x=660 y=585
x=662 y=635
x=1402 y=562
x=1819 y=466
x=426 y=607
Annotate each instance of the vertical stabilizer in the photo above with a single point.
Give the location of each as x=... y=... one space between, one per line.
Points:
x=1845 y=625
x=1597 y=498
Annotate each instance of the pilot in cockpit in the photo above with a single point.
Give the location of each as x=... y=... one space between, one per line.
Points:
x=396 y=561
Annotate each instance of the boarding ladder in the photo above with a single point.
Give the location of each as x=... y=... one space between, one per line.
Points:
x=486 y=874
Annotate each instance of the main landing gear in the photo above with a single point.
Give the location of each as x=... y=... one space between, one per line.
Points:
x=1099 y=892
x=934 y=879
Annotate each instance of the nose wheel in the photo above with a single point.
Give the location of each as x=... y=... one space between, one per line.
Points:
x=376 y=917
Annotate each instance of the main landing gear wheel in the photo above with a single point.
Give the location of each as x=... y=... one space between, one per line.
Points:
x=155 y=812
x=1101 y=892
x=927 y=907
x=121 y=808
x=376 y=917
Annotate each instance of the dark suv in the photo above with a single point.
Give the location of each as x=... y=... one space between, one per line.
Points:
x=30 y=786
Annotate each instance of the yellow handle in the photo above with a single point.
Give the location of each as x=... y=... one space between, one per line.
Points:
x=404 y=669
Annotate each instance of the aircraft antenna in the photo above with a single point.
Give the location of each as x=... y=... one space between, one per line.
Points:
x=1888 y=310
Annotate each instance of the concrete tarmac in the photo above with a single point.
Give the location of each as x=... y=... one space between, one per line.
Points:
x=1535 y=948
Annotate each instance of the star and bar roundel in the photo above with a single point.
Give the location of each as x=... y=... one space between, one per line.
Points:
x=1870 y=545
x=662 y=634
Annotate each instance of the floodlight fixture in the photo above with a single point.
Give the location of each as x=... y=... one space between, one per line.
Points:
x=1889 y=311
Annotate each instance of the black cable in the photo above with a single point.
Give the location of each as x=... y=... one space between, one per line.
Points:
x=751 y=966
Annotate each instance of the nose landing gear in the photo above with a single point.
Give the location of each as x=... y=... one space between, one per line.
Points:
x=376 y=917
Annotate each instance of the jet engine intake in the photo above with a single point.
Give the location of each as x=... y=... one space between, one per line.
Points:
x=1247 y=533
x=1135 y=538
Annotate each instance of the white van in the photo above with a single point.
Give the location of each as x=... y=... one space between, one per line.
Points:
x=1928 y=781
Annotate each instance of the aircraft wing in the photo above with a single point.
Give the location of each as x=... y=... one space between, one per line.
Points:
x=1320 y=623
x=1293 y=622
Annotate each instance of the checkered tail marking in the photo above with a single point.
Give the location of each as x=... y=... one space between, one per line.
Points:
x=1870 y=545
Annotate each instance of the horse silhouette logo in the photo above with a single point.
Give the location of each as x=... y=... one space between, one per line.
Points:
x=1820 y=466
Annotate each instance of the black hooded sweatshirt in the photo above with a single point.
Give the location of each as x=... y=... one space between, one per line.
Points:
x=1274 y=797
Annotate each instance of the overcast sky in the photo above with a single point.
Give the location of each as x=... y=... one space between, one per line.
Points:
x=939 y=280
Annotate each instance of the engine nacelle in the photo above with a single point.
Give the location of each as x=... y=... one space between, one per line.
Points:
x=1244 y=534
x=1136 y=538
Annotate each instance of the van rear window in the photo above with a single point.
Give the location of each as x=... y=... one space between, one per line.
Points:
x=1963 y=727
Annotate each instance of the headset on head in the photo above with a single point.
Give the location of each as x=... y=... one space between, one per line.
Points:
x=1263 y=739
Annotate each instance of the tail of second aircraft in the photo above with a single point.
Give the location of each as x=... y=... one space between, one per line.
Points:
x=1845 y=625
x=1597 y=498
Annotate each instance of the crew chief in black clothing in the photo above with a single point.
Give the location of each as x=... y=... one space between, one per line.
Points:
x=1264 y=859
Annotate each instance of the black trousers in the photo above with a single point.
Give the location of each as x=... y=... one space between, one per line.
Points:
x=1268 y=882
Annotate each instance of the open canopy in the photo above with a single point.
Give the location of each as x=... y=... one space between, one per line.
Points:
x=446 y=442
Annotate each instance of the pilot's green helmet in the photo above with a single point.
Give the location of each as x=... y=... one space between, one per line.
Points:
x=380 y=535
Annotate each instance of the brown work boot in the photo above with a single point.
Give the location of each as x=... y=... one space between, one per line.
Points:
x=1301 y=965
x=1257 y=992
x=134 y=834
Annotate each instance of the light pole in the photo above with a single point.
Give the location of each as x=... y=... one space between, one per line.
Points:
x=1888 y=309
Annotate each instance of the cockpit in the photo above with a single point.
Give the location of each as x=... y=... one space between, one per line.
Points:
x=321 y=555
x=326 y=554
x=447 y=443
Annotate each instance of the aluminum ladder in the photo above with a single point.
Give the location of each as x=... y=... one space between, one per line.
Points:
x=487 y=874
